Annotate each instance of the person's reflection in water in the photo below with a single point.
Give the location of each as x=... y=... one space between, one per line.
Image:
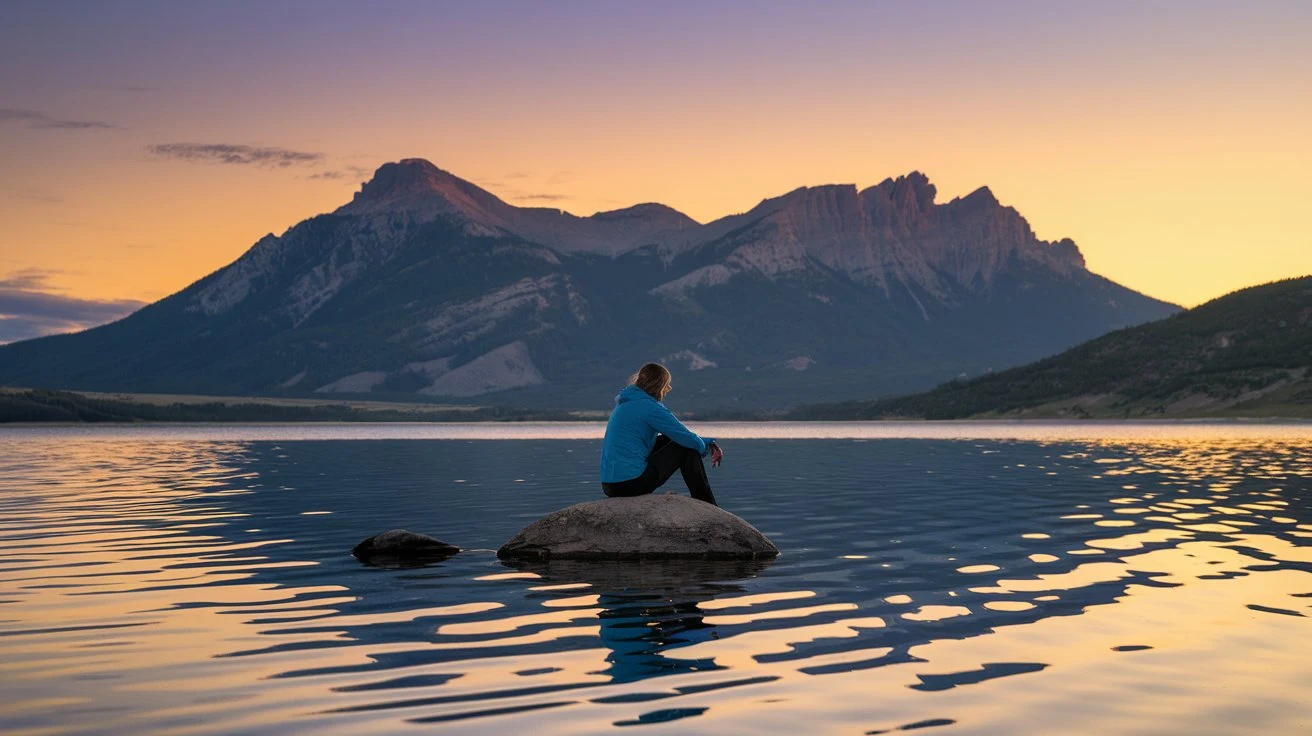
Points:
x=651 y=607
x=639 y=626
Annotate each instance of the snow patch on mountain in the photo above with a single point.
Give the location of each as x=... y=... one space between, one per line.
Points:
x=712 y=275
x=771 y=257
x=431 y=368
x=509 y=366
x=294 y=379
x=356 y=383
x=460 y=323
x=362 y=244
x=693 y=361
x=315 y=288
x=924 y=313
x=799 y=363
x=233 y=284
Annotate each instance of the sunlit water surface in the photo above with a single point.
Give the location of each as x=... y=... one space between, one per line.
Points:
x=956 y=578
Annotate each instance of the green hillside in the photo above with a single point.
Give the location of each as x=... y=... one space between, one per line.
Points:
x=1248 y=353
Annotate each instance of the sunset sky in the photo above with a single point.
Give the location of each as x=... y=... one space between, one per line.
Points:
x=1171 y=141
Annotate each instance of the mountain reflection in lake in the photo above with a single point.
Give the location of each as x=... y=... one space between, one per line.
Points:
x=1130 y=580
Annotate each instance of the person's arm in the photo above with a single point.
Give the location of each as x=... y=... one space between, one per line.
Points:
x=669 y=425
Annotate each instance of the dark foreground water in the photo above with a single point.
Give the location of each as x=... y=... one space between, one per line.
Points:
x=1091 y=578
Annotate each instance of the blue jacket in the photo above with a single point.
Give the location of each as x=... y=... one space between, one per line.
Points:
x=632 y=430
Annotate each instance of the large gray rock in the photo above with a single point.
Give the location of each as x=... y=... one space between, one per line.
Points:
x=401 y=547
x=644 y=527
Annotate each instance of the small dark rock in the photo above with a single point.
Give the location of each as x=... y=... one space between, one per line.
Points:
x=401 y=547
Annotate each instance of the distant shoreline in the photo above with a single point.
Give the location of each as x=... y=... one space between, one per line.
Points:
x=1181 y=433
x=39 y=407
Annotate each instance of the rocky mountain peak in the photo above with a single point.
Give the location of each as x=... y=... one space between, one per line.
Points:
x=416 y=184
x=912 y=194
x=409 y=175
x=417 y=189
x=806 y=203
x=982 y=198
x=1065 y=251
x=818 y=212
x=901 y=206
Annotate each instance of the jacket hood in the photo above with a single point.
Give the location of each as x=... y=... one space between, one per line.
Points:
x=631 y=393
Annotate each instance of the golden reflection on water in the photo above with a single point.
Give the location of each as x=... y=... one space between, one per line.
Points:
x=743 y=601
x=1171 y=594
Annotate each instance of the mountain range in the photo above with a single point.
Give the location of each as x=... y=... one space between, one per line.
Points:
x=427 y=287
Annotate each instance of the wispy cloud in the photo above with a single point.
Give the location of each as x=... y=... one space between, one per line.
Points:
x=518 y=186
x=37 y=120
x=349 y=172
x=72 y=125
x=27 y=278
x=29 y=308
x=231 y=153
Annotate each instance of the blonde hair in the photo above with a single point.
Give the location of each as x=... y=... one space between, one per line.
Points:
x=653 y=378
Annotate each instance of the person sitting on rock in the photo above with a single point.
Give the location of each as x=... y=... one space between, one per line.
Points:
x=645 y=443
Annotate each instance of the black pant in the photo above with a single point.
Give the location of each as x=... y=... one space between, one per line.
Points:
x=666 y=457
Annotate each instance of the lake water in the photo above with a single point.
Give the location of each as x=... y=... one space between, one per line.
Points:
x=978 y=578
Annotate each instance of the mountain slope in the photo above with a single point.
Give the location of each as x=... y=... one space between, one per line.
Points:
x=1246 y=353
x=427 y=286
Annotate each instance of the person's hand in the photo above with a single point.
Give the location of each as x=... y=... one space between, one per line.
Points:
x=716 y=455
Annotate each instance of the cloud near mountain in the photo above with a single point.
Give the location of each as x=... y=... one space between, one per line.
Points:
x=231 y=153
x=28 y=308
x=37 y=120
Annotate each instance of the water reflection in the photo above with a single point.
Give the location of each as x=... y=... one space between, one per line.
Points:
x=208 y=587
x=648 y=607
